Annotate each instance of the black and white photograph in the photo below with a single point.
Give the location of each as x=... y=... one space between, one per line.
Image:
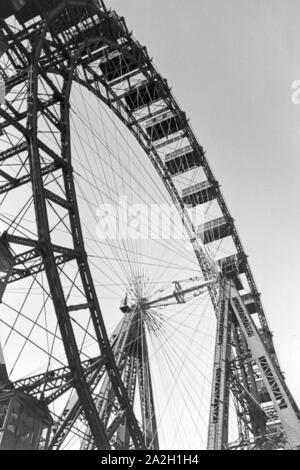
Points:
x=149 y=227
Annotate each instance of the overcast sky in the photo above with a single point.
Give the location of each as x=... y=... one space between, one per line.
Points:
x=231 y=66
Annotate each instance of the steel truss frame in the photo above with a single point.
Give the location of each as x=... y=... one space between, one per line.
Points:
x=232 y=311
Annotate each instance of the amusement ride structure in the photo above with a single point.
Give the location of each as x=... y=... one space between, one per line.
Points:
x=64 y=381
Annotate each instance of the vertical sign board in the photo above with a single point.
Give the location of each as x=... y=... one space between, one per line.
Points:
x=2 y=92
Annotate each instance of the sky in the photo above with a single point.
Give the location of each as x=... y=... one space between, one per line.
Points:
x=231 y=66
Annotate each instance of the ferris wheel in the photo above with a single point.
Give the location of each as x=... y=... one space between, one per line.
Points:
x=129 y=315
